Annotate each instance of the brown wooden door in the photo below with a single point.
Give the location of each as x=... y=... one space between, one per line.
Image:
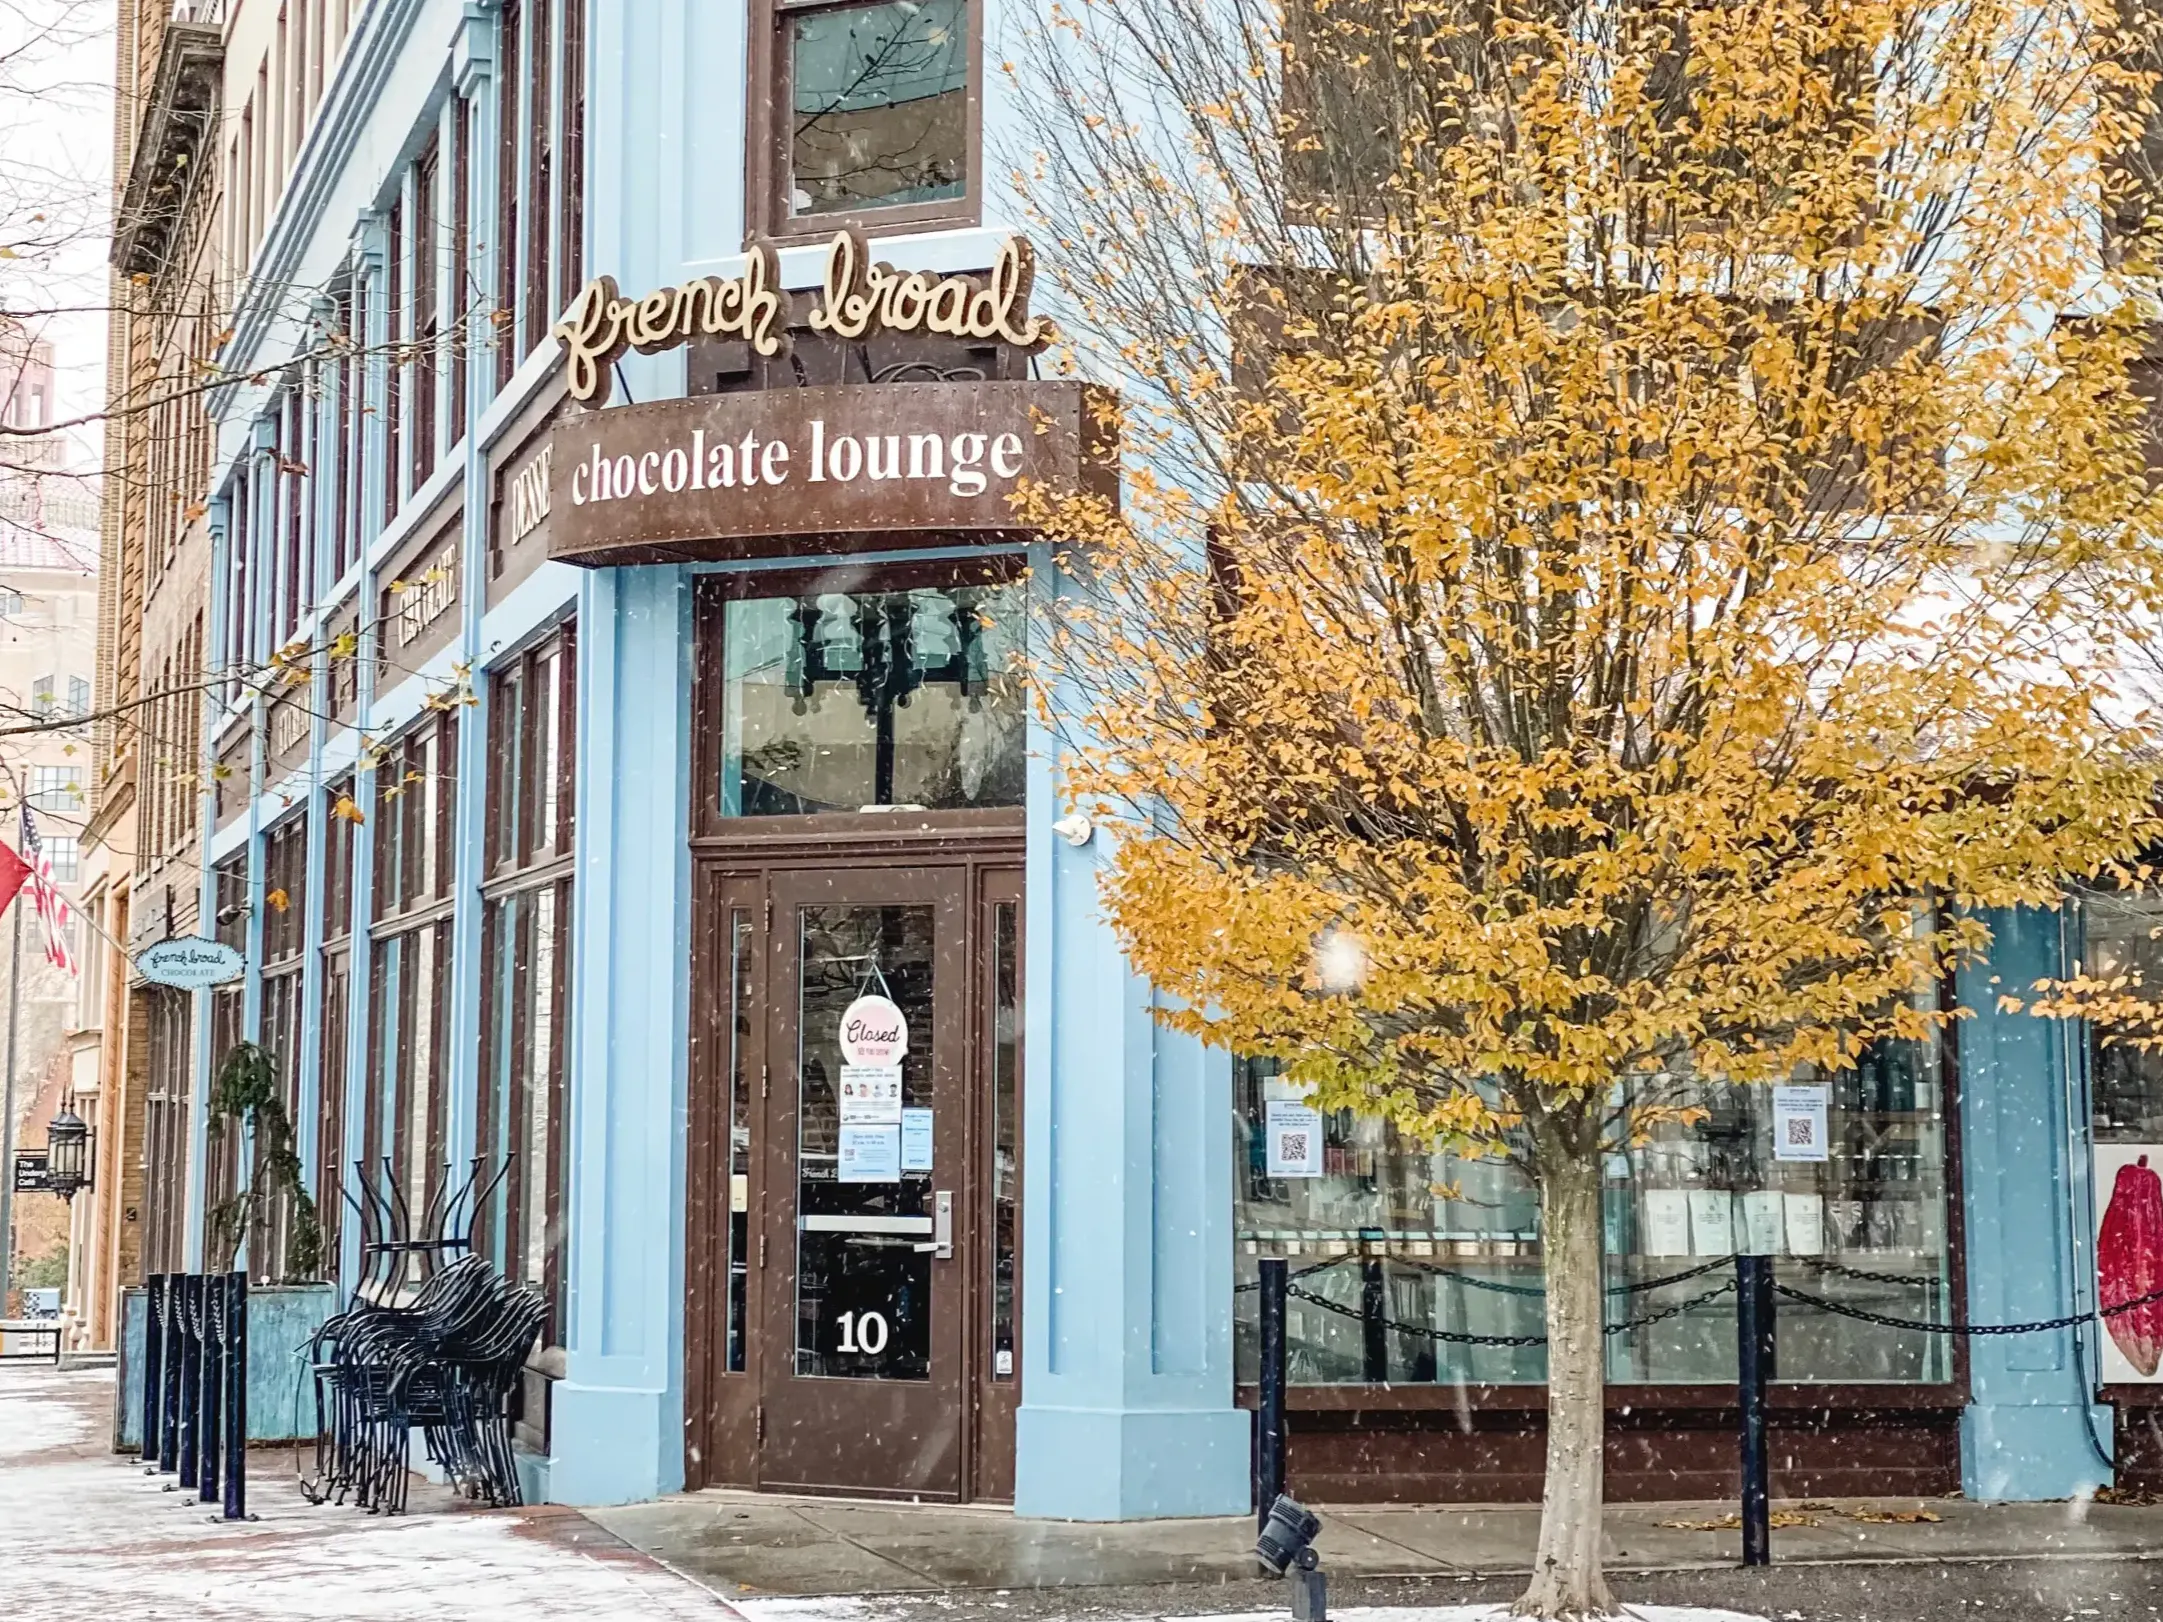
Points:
x=866 y=1287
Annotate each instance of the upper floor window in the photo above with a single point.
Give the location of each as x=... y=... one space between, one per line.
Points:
x=42 y=700
x=346 y=376
x=416 y=799
x=66 y=857
x=56 y=788
x=876 y=113
x=11 y=600
x=78 y=696
x=540 y=169
x=285 y=882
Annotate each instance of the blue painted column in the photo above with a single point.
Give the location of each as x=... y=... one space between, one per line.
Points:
x=1127 y=1406
x=617 y=1426
x=2020 y=1438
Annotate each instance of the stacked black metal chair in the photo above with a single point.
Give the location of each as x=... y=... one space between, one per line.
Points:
x=434 y=1340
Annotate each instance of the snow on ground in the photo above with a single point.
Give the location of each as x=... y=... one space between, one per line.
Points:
x=40 y=1423
x=85 y=1534
x=874 y=1610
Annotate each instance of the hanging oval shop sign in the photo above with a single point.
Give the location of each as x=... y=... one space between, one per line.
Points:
x=874 y=1033
x=190 y=963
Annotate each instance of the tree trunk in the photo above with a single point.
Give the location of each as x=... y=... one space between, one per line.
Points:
x=1566 y=1578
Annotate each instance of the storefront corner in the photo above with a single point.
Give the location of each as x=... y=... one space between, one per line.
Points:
x=612 y=1445
x=2033 y=1454
x=1093 y=1464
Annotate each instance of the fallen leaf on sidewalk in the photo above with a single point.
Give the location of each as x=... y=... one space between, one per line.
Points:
x=2137 y=1496
x=1892 y=1517
x=1733 y=1523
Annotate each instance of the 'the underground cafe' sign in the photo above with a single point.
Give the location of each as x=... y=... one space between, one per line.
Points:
x=697 y=478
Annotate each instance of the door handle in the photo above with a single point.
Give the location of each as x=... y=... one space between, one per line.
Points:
x=942 y=1224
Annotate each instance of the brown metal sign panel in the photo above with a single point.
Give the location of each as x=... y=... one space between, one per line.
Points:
x=736 y=475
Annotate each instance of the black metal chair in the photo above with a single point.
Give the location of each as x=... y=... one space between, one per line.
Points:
x=446 y=1359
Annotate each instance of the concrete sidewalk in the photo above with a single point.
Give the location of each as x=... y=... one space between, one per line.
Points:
x=84 y=1533
x=744 y=1543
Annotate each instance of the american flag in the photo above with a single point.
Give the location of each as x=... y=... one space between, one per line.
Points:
x=52 y=905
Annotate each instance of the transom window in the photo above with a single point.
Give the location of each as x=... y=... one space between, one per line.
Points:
x=840 y=700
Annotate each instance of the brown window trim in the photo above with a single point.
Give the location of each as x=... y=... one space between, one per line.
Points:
x=555 y=650
x=766 y=151
x=1697 y=1397
x=416 y=917
x=512 y=880
x=509 y=149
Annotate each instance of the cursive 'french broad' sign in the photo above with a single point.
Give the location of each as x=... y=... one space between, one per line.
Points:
x=757 y=473
x=859 y=296
x=190 y=962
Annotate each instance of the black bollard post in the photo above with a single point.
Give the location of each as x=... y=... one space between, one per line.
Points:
x=1269 y=1448
x=1373 y=1310
x=169 y=1380
x=236 y=1397
x=153 y=1361
x=191 y=1378
x=212 y=1445
x=1754 y=1357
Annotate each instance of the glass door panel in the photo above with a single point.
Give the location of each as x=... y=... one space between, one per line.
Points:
x=866 y=1295
x=865 y=1204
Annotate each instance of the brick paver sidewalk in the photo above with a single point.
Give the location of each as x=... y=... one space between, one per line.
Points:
x=86 y=1537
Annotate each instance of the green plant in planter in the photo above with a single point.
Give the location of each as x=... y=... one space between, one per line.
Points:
x=245 y=1094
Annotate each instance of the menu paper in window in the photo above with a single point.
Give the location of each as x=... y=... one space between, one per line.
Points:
x=916 y=1140
x=1667 y=1222
x=1712 y=1222
x=869 y=1154
x=1798 y=1123
x=1293 y=1133
x=870 y=1095
x=1764 y=1223
x=1805 y=1224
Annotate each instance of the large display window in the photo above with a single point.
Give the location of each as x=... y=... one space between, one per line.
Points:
x=1397 y=1247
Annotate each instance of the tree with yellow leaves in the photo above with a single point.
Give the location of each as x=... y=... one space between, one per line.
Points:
x=1637 y=519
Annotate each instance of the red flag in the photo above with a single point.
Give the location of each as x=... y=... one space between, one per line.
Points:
x=14 y=871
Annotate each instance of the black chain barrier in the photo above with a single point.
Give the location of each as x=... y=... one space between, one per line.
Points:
x=1318 y=1267
x=1925 y=1326
x=1457 y=1337
x=1818 y=1264
x=1637 y=1288
x=1753 y=1287
x=1493 y=1285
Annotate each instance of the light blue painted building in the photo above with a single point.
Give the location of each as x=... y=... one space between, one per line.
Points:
x=588 y=869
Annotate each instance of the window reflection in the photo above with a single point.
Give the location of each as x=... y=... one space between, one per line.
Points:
x=2124 y=936
x=837 y=701
x=1399 y=1240
x=880 y=95
x=863 y=1283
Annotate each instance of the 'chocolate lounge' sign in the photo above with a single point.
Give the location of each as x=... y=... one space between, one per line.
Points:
x=790 y=468
x=729 y=475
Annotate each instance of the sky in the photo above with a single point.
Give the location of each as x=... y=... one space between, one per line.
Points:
x=56 y=133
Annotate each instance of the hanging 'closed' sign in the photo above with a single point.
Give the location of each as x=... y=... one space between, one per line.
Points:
x=874 y=1033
